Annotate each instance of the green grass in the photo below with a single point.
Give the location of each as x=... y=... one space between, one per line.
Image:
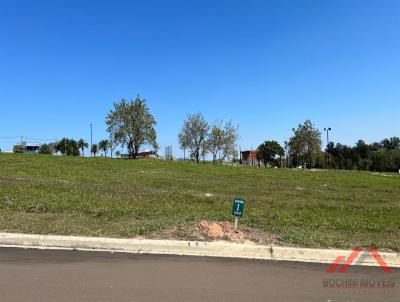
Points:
x=125 y=198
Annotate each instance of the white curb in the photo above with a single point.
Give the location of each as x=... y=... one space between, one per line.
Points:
x=189 y=248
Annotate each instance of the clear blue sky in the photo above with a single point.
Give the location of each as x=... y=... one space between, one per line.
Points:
x=267 y=65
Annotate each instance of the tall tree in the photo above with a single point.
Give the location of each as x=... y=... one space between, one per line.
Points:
x=362 y=153
x=305 y=144
x=286 y=148
x=193 y=135
x=103 y=146
x=268 y=151
x=131 y=124
x=222 y=140
x=82 y=145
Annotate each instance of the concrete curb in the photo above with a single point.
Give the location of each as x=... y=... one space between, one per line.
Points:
x=189 y=248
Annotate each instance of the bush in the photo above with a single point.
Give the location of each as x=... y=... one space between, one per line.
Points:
x=18 y=149
x=45 y=149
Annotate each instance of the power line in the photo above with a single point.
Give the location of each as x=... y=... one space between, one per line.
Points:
x=41 y=139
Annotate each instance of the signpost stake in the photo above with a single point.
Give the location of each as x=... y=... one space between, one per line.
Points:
x=236 y=223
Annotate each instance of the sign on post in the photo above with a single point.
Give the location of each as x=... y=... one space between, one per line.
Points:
x=237 y=209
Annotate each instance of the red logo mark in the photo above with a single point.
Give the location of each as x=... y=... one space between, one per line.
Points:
x=352 y=258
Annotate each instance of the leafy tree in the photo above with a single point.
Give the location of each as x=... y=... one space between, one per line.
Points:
x=193 y=135
x=118 y=154
x=362 y=154
x=131 y=124
x=67 y=147
x=268 y=151
x=380 y=161
x=391 y=143
x=305 y=144
x=45 y=149
x=396 y=160
x=18 y=149
x=222 y=140
x=330 y=150
x=342 y=156
x=94 y=149
x=103 y=146
x=82 y=145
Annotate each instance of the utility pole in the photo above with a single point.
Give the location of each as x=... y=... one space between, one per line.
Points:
x=91 y=139
x=327 y=143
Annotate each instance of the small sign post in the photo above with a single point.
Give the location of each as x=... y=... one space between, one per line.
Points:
x=237 y=210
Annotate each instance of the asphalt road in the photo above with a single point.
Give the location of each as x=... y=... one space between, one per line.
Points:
x=55 y=275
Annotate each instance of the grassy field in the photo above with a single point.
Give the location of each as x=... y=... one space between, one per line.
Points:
x=104 y=197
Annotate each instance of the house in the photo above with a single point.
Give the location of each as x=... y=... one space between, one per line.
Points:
x=249 y=158
x=29 y=148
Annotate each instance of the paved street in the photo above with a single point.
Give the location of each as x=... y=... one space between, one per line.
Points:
x=55 y=275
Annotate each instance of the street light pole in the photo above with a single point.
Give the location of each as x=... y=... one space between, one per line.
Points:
x=327 y=142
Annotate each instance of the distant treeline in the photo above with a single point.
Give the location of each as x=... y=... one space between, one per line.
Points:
x=378 y=156
x=304 y=149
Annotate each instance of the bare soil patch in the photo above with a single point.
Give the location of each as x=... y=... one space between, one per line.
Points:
x=207 y=230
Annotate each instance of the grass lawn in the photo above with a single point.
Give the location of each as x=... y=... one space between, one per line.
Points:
x=126 y=198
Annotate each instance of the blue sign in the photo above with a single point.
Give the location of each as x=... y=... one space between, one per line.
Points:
x=238 y=206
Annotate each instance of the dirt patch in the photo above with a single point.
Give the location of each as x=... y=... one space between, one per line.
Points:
x=216 y=230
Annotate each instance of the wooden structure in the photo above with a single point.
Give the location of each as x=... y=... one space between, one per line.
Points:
x=249 y=158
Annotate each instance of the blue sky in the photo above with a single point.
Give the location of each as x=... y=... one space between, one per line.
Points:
x=267 y=65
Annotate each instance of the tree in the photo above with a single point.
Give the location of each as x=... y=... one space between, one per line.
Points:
x=305 y=144
x=222 y=140
x=268 y=151
x=329 y=152
x=193 y=135
x=67 y=147
x=286 y=148
x=112 y=145
x=82 y=145
x=131 y=124
x=362 y=153
x=392 y=143
x=103 y=146
x=45 y=149
x=94 y=149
